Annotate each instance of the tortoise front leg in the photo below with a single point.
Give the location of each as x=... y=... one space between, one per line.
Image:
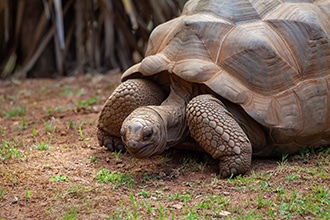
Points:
x=216 y=131
x=128 y=96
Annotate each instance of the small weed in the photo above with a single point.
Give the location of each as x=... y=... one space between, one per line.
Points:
x=71 y=215
x=93 y=159
x=144 y=194
x=291 y=177
x=7 y=151
x=81 y=135
x=51 y=111
x=106 y=176
x=34 y=132
x=16 y=111
x=77 y=191
x=87 y=103
x=27 y=193
x=284 y=160
x=2 y=193
x=68 y=91
x=71 y=125
x=135 y=211
x=116 y=154
x=42 y=146
x=49 y=125
x=22 y=125
x=58 y=178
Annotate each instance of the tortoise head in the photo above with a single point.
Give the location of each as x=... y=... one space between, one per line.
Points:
x=144 y=133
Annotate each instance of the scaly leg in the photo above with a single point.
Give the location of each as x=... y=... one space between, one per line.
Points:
x=216 y=131
x=128 y=96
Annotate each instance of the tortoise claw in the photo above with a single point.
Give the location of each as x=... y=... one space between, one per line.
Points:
x=112 y=143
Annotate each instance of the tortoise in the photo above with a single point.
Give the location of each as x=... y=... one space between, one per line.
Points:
x=232 y=78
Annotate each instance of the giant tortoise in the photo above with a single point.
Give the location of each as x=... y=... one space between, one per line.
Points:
x=238 y=77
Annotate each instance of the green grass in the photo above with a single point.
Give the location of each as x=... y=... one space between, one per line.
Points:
x=42 y=146
x=71 y=215
x=106 y=176
x=88 y=103
x=2 y=193
x=16 y=111
x=258 y=195
x=58 y=178
x=8 y=151
x=51 y=111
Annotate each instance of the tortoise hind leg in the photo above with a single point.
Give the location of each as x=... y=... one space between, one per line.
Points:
x=216 y=131
x=128 y=96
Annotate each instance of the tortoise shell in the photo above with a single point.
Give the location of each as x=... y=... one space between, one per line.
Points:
x=271 y=57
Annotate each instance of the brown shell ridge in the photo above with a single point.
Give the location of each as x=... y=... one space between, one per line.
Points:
x=286 y=110
x=162 y=35
x=211 y=32
x=325 y=8
x=130 y=71
x=233 y=11
x=257 y=56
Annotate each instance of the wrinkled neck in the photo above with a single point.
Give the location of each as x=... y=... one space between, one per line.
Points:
x=173 y=111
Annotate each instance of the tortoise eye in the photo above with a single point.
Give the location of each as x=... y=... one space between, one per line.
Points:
x=147 y=134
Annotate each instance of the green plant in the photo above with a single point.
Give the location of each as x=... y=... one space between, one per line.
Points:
x=27 y=193
x=87 y=103
x=7 y=150
x=284 y=161
x=49 y=125
x=58 y=178
x=50 y=111
x=106 y=176
x=117 y=154
x=71 y=125
x=42 y=146
x=93 y=159
x=144 y=194
x=71 y=215
x=16 y=111
x=81 y=135
x=34 y=132
x=22 y=125
x=135 y=211
x=2 y=192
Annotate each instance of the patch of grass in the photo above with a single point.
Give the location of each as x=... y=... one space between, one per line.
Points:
x=81 y=135
x=8 y=150
x=71 y=215
x=106 y=176
x=28 y=193
x=88 y=103
x=117 y=154
x=93 y=159
x=51 y=111
x=71 y=125
x=2 y=193
x=42 y=146
x=58 y=178
x=16 y=111
x=22 y=125
x=68 y=91
x=34 y=132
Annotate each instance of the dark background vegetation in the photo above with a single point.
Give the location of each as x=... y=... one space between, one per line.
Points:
x=47 y=38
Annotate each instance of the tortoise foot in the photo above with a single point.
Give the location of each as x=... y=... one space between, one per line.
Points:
x=112 y=143
x=217 y=132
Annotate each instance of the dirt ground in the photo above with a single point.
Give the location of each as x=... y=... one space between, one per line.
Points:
x=61 y=183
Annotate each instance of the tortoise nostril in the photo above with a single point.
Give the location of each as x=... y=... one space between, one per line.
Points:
x=131 y=144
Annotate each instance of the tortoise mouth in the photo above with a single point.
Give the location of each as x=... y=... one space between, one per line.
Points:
x=142 y=152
